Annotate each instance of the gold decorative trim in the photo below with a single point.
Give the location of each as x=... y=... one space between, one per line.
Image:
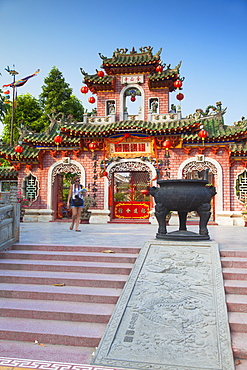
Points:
x=110 y=148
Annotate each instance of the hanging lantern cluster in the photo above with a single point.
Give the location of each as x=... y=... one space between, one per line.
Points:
x=167 y=145
x=132 y=98
x=18 y=149
x=92 y=146
x=178 y=84
x=159 y=68
x=100 y=74
x=180 y=96
x=203 y=134
x=91 y=100
x=84 y=90
x=58 y=139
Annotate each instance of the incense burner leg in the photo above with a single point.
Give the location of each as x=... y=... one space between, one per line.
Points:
x=204 y=213
x=160 y=214
x=182 y=220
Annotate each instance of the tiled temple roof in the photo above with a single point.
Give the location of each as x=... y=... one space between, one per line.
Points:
x=165 y=78
x=138 y=126
x=143 y=61
x=133 y=62
x=96 y=83
x=29 y=153
x=72 y=134
x=8 y=173
x=218 y=132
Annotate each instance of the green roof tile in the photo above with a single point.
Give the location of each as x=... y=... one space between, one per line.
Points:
x=121 y=58
x=8 y=173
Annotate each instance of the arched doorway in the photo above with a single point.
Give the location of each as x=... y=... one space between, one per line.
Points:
x=129 y=199
x=59 y=178
x=132 y=109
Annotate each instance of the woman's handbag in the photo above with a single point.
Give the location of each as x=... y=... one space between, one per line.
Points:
x=78 y=201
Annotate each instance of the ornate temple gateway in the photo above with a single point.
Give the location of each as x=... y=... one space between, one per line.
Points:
x=116 y=153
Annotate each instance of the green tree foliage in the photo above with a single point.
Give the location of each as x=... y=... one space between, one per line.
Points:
x=57 y=96
x=4 y=108
x=27 y=112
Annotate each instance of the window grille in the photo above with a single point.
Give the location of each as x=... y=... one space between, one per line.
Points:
x=241 y=187
x=6 y=185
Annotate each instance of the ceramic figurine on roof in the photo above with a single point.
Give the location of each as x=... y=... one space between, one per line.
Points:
x=116 y=154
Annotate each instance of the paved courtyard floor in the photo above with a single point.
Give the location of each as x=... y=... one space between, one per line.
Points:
x=120 y=234
x=58 y=233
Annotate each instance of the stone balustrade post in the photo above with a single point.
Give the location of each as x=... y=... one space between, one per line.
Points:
x=15 y=213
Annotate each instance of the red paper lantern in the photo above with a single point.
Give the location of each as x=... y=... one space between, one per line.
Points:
x=84 y=90
x=100 y=74
x=6 y=92
x=203 y=134
x=167 y=144
x=159 y=69
x=92 y=146
x=133 y=98
x=58 y=139
x=18 y=149
x=180 y=96
x=91 y=100
x=178 y=84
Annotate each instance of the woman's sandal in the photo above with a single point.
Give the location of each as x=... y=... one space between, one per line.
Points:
x=71 y=228
x=78 y=230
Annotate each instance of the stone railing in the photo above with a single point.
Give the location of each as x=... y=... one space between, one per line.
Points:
x=9 y=219
x=99 y=120
x=153 y=117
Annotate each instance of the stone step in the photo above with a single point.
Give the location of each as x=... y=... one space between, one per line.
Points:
x=67 y=266
x=76 y=248
x=67 y=278
x=56 y=310
x=236 y=302
x=60 y=296
x=239 y=347
x=235 y=262
x=235 y=286
x=242 y=253
x=70 y=256
x=60 y=293
x=234 y=273
x=51 y=331
x=238 y=322
x=40 y=352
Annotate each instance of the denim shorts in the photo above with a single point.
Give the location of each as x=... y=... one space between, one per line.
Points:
x=72 y=204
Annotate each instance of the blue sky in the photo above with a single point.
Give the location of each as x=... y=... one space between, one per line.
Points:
x=209 y=36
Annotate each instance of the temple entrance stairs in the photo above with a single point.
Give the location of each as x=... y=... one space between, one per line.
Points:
x=234 y=265
x=56 y=301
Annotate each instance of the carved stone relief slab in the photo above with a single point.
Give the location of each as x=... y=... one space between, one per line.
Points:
x=172 y=313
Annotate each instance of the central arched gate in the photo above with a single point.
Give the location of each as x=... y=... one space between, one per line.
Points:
x=129 y=197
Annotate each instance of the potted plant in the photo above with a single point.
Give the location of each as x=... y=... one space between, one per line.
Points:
x=119 y=197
